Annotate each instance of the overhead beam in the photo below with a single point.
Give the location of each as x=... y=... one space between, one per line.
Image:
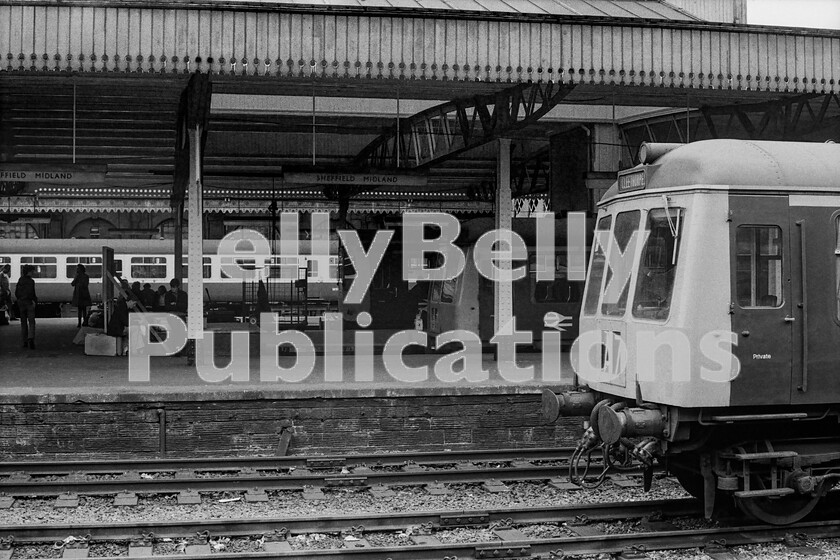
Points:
x=806 y=117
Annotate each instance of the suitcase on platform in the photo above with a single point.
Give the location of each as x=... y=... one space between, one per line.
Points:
x=100 y=344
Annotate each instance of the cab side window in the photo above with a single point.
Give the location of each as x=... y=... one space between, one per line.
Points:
x=759 y=266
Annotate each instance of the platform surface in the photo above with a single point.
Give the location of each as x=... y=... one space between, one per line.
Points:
x=58 y=371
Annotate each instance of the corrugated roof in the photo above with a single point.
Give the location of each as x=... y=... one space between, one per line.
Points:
x=616 y=9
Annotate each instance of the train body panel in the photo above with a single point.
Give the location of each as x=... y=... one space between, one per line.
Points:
x=151 y=261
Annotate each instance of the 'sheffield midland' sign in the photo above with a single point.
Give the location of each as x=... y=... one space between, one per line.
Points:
x=54 y=174
x=357 y=179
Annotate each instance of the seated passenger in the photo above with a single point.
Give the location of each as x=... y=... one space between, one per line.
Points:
x=148 y=297
x=176 y=298
x=118 y=323
x=137 y=291
x=160 y=299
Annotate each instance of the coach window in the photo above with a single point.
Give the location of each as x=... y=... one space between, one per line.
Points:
x=311 y=268
x=658 y=265
x=93 y=266
x=758 y=280
x=626 y=224
x=148 y=267
x=559 y=290
x=596 y=269
x=206 y=269
x=42 y=267
x=284 y=268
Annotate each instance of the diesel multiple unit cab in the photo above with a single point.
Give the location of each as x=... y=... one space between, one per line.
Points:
x=710 y=326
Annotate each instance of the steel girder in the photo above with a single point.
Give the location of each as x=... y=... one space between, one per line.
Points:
x=809 y=117
x=446 y=130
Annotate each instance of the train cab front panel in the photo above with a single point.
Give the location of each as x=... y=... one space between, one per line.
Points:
x=657 y=285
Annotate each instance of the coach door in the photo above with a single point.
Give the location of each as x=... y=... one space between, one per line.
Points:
x=815 y=258
x=761 y=305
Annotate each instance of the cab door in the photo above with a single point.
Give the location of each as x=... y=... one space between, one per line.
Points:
x=761 y=305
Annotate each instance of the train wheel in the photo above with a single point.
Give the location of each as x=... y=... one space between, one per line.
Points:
x=687 y=472
x=778 y=511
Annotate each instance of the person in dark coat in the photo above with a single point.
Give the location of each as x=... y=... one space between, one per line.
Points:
x=26 y=300
x=160 y=299
x=136 y=292
x=118 y=323
x=176 y=298
x=148 y=297
x=81 y=294
x=5 y=291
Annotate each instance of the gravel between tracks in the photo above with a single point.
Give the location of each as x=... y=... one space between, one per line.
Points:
x=338 y=502
x=93 y=510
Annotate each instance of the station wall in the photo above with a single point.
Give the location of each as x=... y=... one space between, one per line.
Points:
x=254 y=426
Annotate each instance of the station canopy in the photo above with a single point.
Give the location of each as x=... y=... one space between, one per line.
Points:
x=323 y=89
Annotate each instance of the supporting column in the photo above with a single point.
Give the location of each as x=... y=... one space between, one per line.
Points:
x=178 y=218
x=191 y=136
x=503 y=210
x=195 y=241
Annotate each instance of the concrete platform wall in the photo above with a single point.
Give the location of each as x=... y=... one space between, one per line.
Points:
x=253 y=427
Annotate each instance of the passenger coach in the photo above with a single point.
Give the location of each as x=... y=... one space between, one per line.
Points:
x=151 y=261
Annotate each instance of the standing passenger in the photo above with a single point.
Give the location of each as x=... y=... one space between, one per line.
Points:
x=81 y=294
x=5 y=292
x=26 y=300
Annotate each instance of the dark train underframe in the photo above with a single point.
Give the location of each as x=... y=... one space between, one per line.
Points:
x=775 y=466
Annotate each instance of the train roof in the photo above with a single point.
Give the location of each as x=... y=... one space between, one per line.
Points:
x=739 y=165
x=120 y=246
x=61 y=246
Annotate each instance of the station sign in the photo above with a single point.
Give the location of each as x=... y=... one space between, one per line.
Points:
x=54 y=174
x=357 y=179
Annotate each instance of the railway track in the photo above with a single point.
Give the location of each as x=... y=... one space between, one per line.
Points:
x=287 y=461
x=271 y=539
x=280 y=473
x=370 y=521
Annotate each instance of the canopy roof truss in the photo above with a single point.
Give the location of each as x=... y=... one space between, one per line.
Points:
x=460 y=125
